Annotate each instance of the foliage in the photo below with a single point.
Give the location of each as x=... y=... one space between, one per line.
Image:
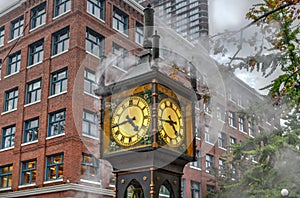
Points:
x=265 y=165
x=274 y=44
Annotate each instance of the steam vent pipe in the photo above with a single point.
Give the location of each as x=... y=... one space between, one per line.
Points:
x=148 y=26
x=155 y=51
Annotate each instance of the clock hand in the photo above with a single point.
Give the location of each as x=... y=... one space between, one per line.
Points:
x=172 y=123
x=169 y=121
x=130 y=120
x=124 y=122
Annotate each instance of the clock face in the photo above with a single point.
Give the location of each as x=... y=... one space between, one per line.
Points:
x=170 y=123
x=130 y=121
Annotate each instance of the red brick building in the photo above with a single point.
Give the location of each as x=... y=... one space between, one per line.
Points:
x=45 y=150
x=49 y=54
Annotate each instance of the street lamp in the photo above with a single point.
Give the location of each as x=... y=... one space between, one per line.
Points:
x=284 y=192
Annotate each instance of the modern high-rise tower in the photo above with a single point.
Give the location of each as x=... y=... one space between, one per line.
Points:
x=187 y=17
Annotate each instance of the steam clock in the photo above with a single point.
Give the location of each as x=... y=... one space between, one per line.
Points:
x=147 y=127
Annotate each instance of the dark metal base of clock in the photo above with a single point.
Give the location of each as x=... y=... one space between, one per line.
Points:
x=150 y=181
x=160 y=158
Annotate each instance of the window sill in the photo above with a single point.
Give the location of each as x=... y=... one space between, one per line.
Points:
x=119 y=68
x=30 y=66
x=9 y=75
x=94 y=55
x=61 y=93
x=89 y=136
x=1 y=45
x=6 y=112
x=60 y=53
x=29 y=104
x=53 y=181
x=62 y=14
x=222 y=148
x=55 y=136
x=232 y=126
x=6 y=188
x=8 y=148
x=208 y=113
x=209 y=143
x=37 y=27
x=95 y=16
x=196 y=168
x=121 y=32
x=27 y=143
x=91 y=95
x=11 y=40
x=26 y=185
x=90 y=182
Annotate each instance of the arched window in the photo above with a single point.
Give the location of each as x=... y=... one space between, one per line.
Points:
x=134 y=190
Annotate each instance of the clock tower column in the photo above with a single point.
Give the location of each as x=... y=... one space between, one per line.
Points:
x=147 y=126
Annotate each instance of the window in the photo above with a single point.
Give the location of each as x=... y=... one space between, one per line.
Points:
x=36 y=52
x=16 y=28
x=208 y=136
x=94 y=42
x=33 y=93
x=38 y=16
x=222 y=140
x=89 y=81
x=0 y=68
x=90 y=167
x=231 y=119
x=119 y=53
x=139 y=33
x=61 y=6
x=28 y=172
x=11 y=100
x=183 y=187
x=242 y=124
x=195 y=189
x=164 y=191
x=240 y=100
x=57 y=121
x=209 y=162
x=197 y=163
x=211 y=191
x=89 y=123
x=8 y=136
x=60 y=41
x=59 y=81
x=96 y=8
x=221 y=113
x=54 y=166
x=251 y=129
x=1 y=36
x=13 y=63
x=6 y=176
x=120 y=21
x=222 y=164
x=232 y=142
x=31 y=129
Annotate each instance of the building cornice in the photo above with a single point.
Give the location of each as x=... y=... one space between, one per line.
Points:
x=58 y=188
x=13 y=6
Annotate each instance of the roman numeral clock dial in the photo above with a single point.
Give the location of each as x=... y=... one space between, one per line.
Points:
x=170 y=123
x=130 y=121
